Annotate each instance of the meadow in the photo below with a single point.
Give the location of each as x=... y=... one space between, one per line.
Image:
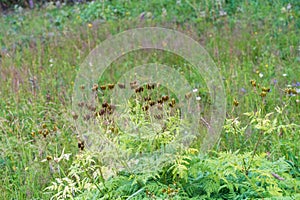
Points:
x=256 y=48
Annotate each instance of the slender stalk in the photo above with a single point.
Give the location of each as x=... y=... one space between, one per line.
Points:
x=136 y=193
x=93 y=181
x=254 y=152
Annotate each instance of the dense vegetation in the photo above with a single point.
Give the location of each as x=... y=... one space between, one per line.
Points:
x=255 y=45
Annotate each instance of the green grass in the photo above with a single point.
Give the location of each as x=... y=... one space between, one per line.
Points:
x=40 y=54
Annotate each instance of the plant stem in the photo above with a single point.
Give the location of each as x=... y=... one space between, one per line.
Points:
x=94 y=182
x=254 y=151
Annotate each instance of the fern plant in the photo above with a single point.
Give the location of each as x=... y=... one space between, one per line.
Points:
x=85 y=174
x=188 y=174
x=225 y=175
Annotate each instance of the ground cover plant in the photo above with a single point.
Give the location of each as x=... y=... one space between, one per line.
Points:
x=255 y=45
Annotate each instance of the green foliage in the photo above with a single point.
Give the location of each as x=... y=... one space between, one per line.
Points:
x=223 y=176
x=84 y=174
x=263 y=131
x=257 y=155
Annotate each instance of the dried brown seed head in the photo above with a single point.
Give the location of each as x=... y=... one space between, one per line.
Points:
x=264 y=89
x=49 y=158
x=87 y=117
x=145 y=108
x=152 y=103
x=133 y=85
x=253 y=83
x=74 y=115
x=188 y=95
x=165 y=98
x=102 y=112
x=235 y=102
x=111 y=86
x=95 y=87
x=293 y=91
x=81 y=104
x=147 y=98
x=159 y=106
x=263 y=94
x=158 y=116
x=103 y=87
x=105 y=104
x=55 y=128
x=139 y=89
x=82 y=87
x=121 y=85
x=173 y=101
x=150 y=86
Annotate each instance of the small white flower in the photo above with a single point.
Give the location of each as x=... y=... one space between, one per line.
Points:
x=67 y=156
x=149 y=15
x=297 y=101
x=284 y=75
x=236 y=121
x=222 y=13
x=239 y=9
x=164 y=12
x=20 y=9
x=195 y=90
x=51 y=65
x=283 y=10
x=90 y=64
x=198 y=98
x=261 y=75
x=298 y=90
x=202 y=14
x=51 y=60
x=289 y=6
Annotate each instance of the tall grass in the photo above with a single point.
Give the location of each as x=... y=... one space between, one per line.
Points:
x=41 y=51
